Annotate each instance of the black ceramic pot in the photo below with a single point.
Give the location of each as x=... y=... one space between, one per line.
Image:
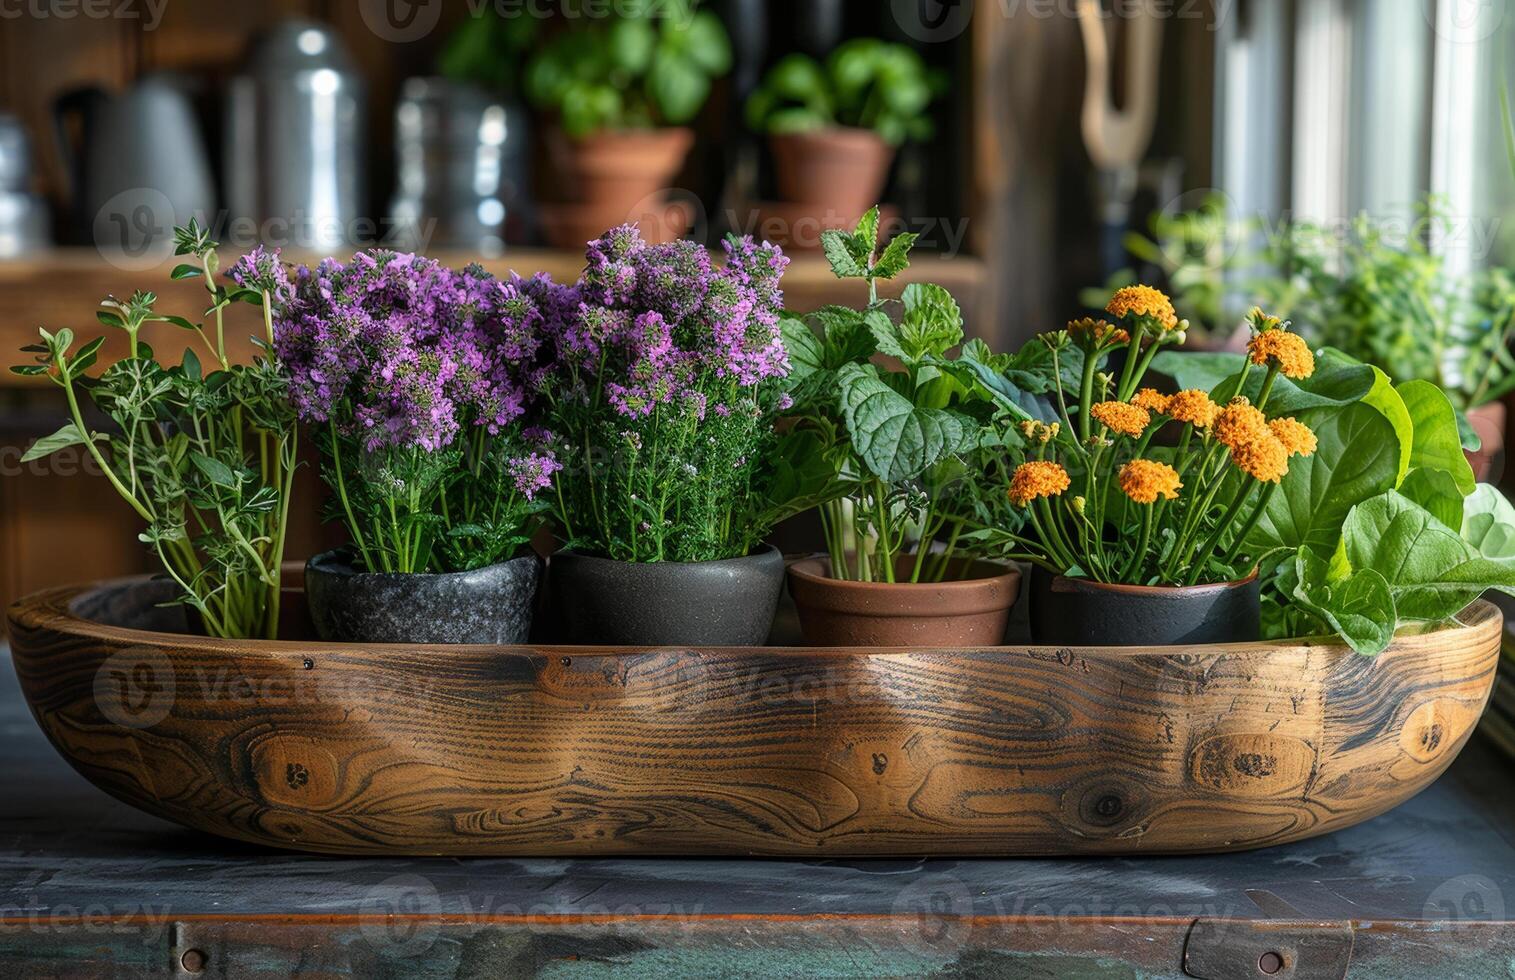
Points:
x=488 y=605
x=729 y=602
x=1076 y=612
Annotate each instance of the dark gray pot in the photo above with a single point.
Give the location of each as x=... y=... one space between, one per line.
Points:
x=731 y=602
x=488 y=605
x=1076 y=612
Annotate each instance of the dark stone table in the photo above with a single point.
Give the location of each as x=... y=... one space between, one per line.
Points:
x=90 y=887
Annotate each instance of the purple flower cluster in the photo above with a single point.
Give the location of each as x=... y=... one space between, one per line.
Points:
x=399 y=351
x=654 y=322
x=261 y=270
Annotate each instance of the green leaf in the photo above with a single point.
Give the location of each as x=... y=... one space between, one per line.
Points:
x=1383 y=397
x=865 y=235
x=1431 y=571
x=1357 y=458
x=67 y=436
x=895 y=439
x=1437 y=492
x=177 y=321
x=707 y=44
x=896 y=256
x=215 y=471
x=1360 y=608
x=1334 y=383
x=1437 y=445
x=807 y=352
x=630 y=44
x=932 y=325
x=191 y=365
x=185 y=271
x=29 y=370
x=110 y=319
x=1488 y=523
x=837 y=246
x=678 y=88
x=1202 y=370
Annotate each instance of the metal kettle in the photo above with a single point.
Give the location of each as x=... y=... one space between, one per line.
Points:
x=137 y=165
x=295 y=154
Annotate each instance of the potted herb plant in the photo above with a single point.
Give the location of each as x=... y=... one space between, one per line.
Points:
x=621 y=90
x=833 y=129
x=205 y=458
x=417 y=381
x=1384 y=525
x=663 y=406
x=1140 y=539
x=920 y=454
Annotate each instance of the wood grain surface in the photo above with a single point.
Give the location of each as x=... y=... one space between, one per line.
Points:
x=778 y=751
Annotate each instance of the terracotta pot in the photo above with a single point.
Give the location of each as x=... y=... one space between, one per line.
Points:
x=1076 y=612
x=842 y=169
x=621 y=168
x=970 y=612
x=598 y=601
x=1488 y=421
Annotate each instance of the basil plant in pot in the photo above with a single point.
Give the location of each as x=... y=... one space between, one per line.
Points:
x=834 y=128
x=1140 y=504
x=920 y=453
x=203 y=451
x=419 y=383
x=663 y=407
x=620 y=91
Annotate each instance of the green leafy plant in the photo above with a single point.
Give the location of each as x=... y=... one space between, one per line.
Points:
x=1383 y=526
x=651 y=63
x=488 y=50
x=865 y=83
x=909 y=456
x=205 y=459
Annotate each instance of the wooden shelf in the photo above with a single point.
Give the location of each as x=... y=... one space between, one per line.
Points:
x=62 y=288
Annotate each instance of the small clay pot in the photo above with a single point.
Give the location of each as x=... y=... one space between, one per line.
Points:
x=1077 y=612
x=601 y=602
x=966 y=613
x=488 y=605
x=620 y=169
x=843 y=169
x=1489 y=422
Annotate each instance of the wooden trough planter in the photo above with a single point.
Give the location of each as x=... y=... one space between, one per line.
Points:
x=349 y=749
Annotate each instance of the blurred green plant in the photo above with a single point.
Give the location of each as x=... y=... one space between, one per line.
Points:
x=865 y=83
x=649 y=64
x=488 y=50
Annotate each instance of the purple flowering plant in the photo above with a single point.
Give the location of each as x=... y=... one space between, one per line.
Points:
x=205 y=457
x=420 y=381
x=670 y=376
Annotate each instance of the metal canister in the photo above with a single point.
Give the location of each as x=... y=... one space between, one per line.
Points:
x=295 y=154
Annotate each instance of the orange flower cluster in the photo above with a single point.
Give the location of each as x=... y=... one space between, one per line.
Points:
x=1089 y=332
x=1144 y=301
x=1239 y=423
x=1152 y=400
x=1129 y=420
x=1193 y=406
x=1286 y=350
x=1264 y=458
x=1295 y=436
x=1144 y=480
x=1038 y=478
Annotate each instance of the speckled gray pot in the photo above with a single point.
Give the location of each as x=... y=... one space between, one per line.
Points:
x=487 y=605
x=601 y=602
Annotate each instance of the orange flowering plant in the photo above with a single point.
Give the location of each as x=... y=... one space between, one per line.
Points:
x=1129 y=484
